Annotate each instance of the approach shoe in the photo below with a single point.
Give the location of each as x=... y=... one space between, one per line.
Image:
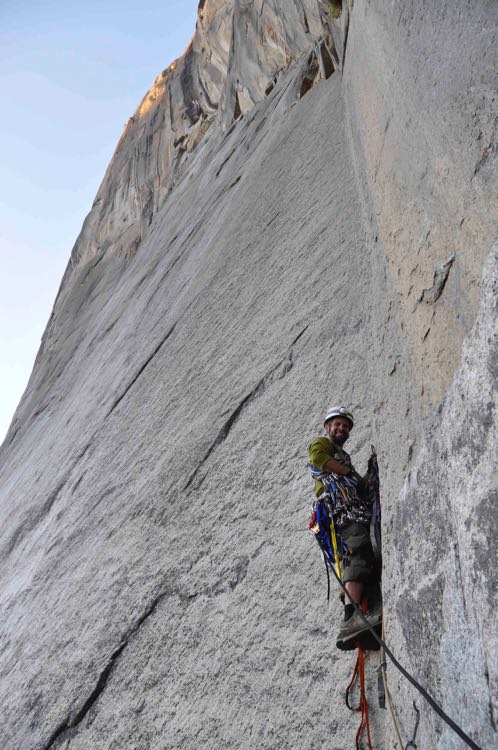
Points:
x=355 y=628
x=374 y=617
x=350 y=630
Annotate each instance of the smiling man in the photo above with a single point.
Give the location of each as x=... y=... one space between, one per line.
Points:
x=346 y=495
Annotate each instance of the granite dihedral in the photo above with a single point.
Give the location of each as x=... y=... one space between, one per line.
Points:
x=301 y=212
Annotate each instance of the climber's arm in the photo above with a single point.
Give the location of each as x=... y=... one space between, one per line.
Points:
x=334 y=467
x=319 y=453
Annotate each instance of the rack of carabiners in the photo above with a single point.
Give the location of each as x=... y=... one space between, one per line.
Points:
x=321 y=524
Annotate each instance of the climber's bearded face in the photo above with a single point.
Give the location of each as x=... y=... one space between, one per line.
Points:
x=338 y=429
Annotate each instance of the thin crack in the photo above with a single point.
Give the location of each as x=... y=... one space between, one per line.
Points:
x=299 y=336
x=223 y=433
x=35 y=518
x=227 y=188
x=346 y=34
x=141 y=370
x=490 y=694
x=272 y=219
x=69 y=727
x=70 y=724
x=260 y=387
x=226 y=160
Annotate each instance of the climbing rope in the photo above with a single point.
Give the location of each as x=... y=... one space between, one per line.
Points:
x=430 y=700
x=328 y=576
x=387 y=693
x=359 y=676
x=333 y=536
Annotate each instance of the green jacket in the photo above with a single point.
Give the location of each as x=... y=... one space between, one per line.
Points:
x=320 y=450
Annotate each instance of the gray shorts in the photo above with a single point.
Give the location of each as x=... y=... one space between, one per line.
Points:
x=359 y=564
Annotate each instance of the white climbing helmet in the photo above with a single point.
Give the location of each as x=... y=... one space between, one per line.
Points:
x=339 y=411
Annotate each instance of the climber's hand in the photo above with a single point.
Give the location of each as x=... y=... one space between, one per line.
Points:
x=372 y=462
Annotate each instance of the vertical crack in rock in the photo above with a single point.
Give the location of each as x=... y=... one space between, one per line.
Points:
x=34 y=519
x=346 y=33
x=70 y=724
x=141 y=370
x=306 y=22
x=226 y=161
x=68 y=728
x=491 y=708
x=237 y=111
x=227 y=188
x=286 y=363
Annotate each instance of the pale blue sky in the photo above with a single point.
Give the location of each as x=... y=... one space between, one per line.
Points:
x=70 y=76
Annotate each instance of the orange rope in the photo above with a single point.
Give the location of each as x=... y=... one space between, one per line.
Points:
x=359 y=675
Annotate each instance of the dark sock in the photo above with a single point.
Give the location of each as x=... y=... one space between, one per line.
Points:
x=348 y=611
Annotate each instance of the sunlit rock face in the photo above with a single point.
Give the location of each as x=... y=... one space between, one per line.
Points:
x=168 y=123
x=300 y=212
x=232 y=62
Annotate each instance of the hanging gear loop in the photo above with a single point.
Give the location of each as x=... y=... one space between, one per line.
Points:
x=359 y=676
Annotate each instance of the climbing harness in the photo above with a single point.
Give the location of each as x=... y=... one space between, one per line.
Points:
x=362 y=707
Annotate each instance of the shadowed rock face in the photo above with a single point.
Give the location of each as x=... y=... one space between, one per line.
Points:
x=300 y=212
x=460 y=502
x=421 y=87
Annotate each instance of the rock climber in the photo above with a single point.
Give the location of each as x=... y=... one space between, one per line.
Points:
x=350 y=509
